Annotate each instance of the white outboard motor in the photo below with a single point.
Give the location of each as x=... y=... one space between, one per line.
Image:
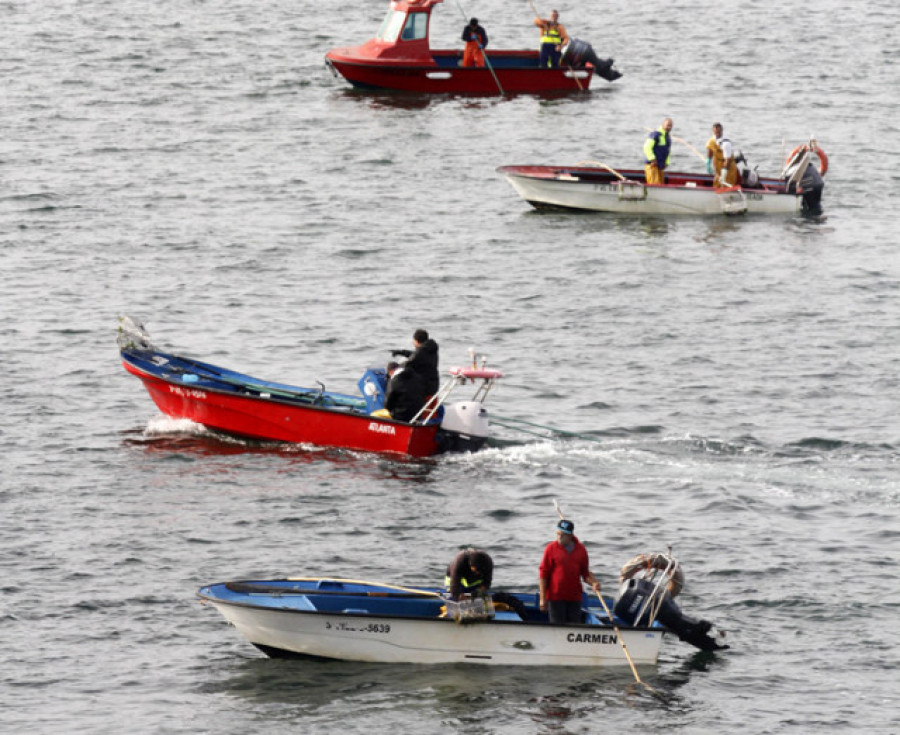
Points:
x=464 y=426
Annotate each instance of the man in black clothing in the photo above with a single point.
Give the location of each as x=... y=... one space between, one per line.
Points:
x=471 y=571
x=423 y=361
x=404 y=395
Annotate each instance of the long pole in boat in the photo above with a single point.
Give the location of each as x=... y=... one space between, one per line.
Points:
x=615 y=627
x=683 y=142
x=487 y=61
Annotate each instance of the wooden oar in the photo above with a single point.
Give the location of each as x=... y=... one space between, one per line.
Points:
x=621 y=640
x=615 y=627
x=602 y=165
x=409 y=590
x=683 y=142
x=487 y=61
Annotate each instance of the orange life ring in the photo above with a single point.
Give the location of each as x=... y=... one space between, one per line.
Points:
x=823 y=159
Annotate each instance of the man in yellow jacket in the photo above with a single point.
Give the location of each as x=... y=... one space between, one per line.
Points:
x=656 y=152
x=553 y=38
x=720 y=159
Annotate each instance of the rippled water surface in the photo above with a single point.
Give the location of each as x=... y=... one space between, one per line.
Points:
x=729 y=385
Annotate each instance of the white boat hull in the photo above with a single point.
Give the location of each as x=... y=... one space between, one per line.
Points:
x=578 y=189
x=387 y=639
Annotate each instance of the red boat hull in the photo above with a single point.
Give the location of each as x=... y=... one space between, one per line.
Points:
x=274 y=420
x=517 y=72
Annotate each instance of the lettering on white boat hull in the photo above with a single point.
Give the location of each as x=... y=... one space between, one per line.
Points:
x=362 y=628
x=605 y=639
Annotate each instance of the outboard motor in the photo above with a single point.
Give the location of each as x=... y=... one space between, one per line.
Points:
x=633 y=608
x=811 y=185
x=577 y=53
x=749 y=176
x=464 y=427
x=800 y=175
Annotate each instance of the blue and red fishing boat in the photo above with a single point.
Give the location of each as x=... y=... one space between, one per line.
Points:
x=239 y=405
x=400 y=58
x=359 y=620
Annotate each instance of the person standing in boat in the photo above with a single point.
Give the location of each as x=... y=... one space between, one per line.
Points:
x=720 y=160
x=470 y=573
x=563 y=566
x=656 y=152
x=553 y=38
x=423 y=361
x=476 y=39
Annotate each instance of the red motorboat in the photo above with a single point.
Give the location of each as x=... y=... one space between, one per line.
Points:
x=400 y=58
x=242 y=406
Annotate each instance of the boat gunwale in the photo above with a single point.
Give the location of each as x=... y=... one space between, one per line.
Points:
x=593 y=175
x=419 y=619
x=346 y=411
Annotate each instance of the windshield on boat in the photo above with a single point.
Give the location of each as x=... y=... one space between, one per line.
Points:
x=413 y=25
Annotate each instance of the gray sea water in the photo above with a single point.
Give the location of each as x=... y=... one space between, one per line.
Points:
x=730 y=384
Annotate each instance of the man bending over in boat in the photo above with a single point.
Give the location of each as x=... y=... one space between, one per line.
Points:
x=471 y=572
x=476 y=42
x=404 y=395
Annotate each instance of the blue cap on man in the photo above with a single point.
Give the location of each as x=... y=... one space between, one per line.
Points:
x=566 y=526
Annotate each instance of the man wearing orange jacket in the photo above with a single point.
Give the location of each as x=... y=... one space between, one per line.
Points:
x=476 y=39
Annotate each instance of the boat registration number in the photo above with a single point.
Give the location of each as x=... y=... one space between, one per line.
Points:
x=367 y=628
x=187 y=392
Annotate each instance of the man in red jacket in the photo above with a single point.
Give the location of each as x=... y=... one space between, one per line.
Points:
x=563 y=566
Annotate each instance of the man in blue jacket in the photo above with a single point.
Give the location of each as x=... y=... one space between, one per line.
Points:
x=656 y=152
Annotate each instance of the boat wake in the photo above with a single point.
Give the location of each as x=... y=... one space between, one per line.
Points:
x=165 y=426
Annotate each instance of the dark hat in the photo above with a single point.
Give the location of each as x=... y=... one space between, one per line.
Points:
x=566 y=526
x=473 y=22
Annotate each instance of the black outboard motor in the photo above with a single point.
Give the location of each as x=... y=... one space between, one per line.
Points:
x=632 y=601
x=578 y=53
x=800 y=174
x=811 y=185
